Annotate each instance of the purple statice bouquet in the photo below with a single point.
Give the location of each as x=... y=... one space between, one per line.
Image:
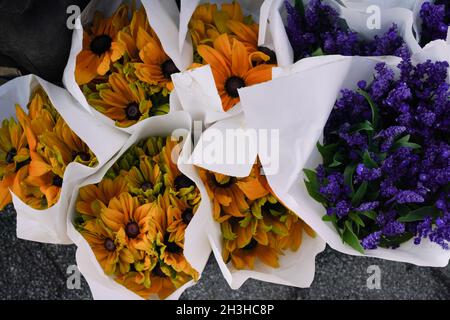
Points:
x=435 y=17
x=316 y=29
x=385 y=174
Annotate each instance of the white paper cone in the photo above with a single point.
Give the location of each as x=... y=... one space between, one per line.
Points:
x=49 y=225
x=107 y=8
x=196 y=247
x=296 y=268
x=305 y=100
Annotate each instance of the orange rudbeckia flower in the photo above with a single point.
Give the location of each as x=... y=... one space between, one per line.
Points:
x=124 y=102
x=156 y=67
x=125 y=213
x=100 y=46
x=232 y=67
x=92 y=198
x=109 y=247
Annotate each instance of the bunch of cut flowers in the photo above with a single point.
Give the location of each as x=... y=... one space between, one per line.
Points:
x=256 y=226
x=435 y=17
x=316 y=29
x=135 y=219
x=385 y=176
x=227 y=40
x=35 y=151
x=122 y=68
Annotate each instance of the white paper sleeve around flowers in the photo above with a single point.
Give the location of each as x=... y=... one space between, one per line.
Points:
x=107 y=8
x=305 y=100
x=49 y=225
x=296 y=268
x=356 y=19
x=196 y=88
x=196 y=247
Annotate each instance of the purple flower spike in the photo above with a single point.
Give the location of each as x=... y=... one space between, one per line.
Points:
x=372 y=241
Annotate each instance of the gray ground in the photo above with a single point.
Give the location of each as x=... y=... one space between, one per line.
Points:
x=37 y=271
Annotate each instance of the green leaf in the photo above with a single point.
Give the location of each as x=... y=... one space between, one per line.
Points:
x=420 y=214
x=360 y=193
x=363 y=126
x=370 y=214
x=404 y=143
x=300 y=7
x=337 y=160
x=373 y=107
x=350 y=238
x=355 y=217
x=312 y=176
x=327 y=152
x=328 y=218
x=368 y=161
x=348 y=176
x=317 y=53
x=314 y=193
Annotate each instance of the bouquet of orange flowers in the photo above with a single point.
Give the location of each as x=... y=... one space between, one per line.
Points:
x=135 y=218
x=255 y=225
x=35 y=151
x=122 y=69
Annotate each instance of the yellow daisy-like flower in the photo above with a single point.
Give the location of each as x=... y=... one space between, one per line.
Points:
x=156 y=67
x=125 y=213
x=100 y=46
x=52 y=146
x=122 y=101
x=232 y=68
x=109 y=247
x=92 y=198
x=208 y=23
x=145 y=181
x=229 y=194
x=13 y=147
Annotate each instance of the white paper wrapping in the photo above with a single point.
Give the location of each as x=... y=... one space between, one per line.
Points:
x=107 y=7
x=304 y=101
x=196 y=247
x=196 y=88
x=296 y=268
x=356 y=19
x=49 y=225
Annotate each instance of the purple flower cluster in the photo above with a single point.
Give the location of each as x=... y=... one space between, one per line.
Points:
x=435 y=20
x=387 y=151
x=318 y=27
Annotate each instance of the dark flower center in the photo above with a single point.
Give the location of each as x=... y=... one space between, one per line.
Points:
x=273 y=206
x=109 y=245
x=187 y=216
x=226 y=184
x=183 y=182
x=101 y=44
x=251 y=245
x=22 y=164
x=157 y=271
x=132 y=111
x=146 y=186
x=270 y=53
x=169 y=68
x=10 y=155
x=84 y=156
x=172 y=247
x=132 y=230
x=57 y=181
x=233 y=84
